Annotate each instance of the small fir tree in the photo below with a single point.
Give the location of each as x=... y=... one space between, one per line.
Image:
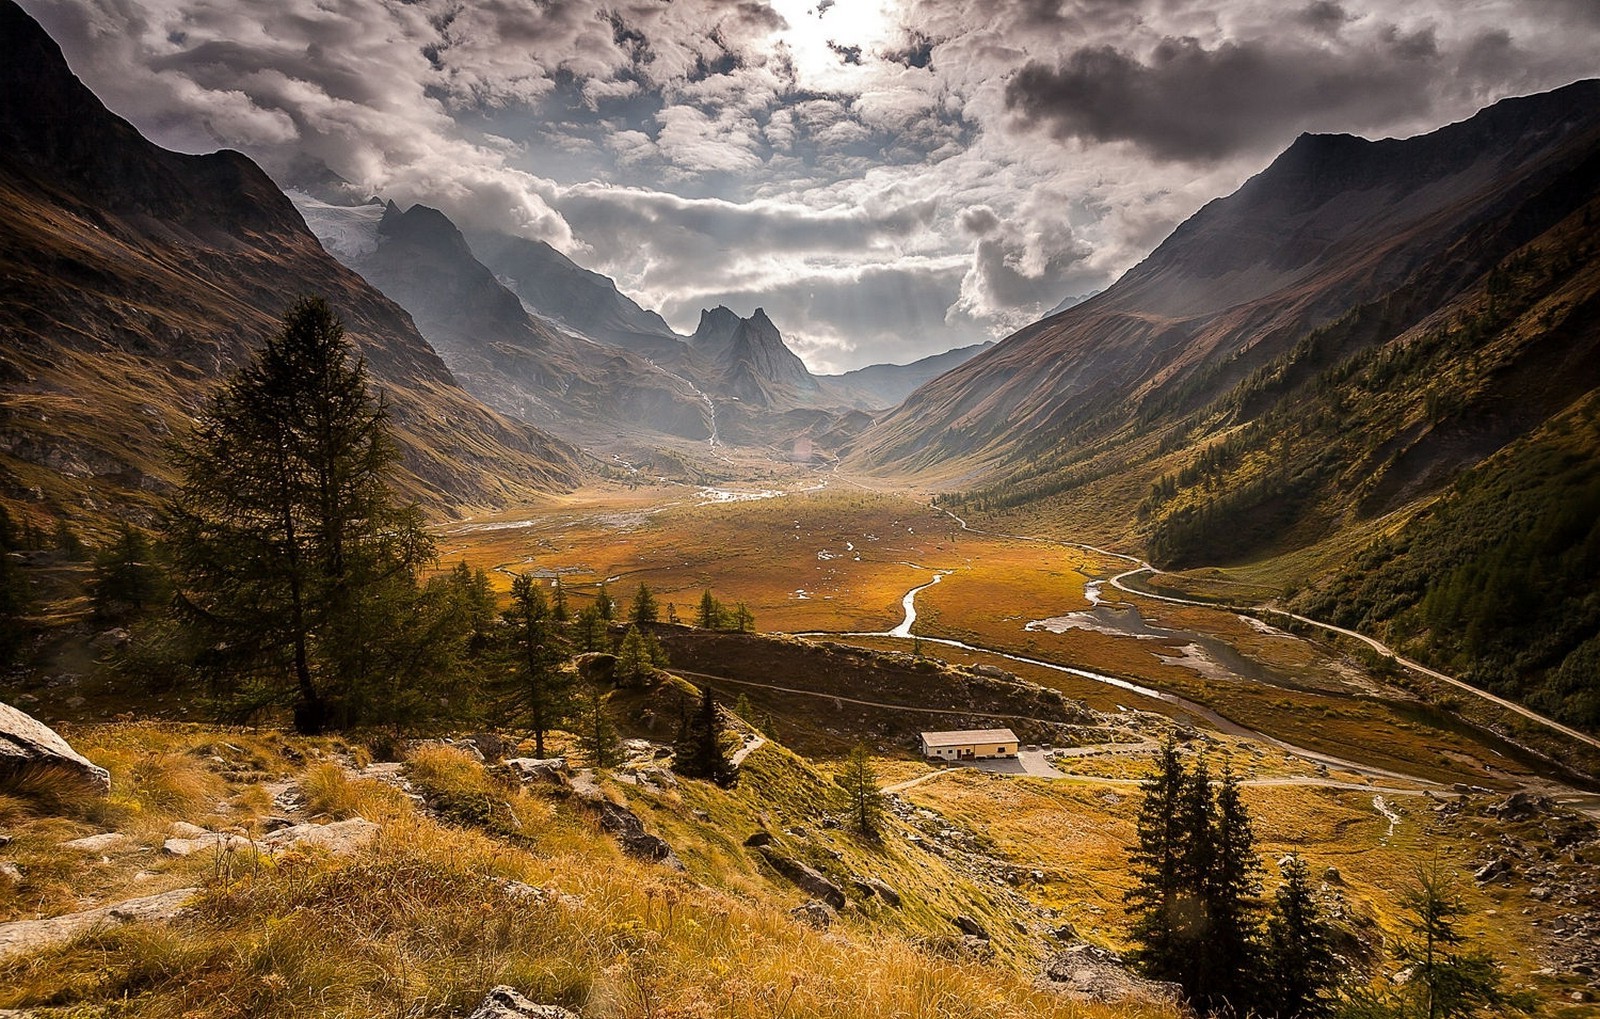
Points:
x=558 y=602
x=1298 y=951
x=589 y=630
x=1448 y=980
x=700 y=753
x=604 y=603
x=634 y=664
x=540 y=690
x=743 y=620
x=860 y=782
x=644 y=610
x=710 y=614
x=597 y=734
x=126 y=581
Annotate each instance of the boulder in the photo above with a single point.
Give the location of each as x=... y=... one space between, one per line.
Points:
x=29 y=747
x=970 y=927
x=96 y=843
x=624 y=825
x=758 y=839
x=807 y=878
x=504 y=1003
x=210 y=840
x=24 y=936
x=1087 y=972
x=538 y=769
x=341 y=838
x=813 y=913
x=885 y=893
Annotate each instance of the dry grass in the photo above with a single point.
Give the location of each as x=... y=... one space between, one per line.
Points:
x=424 y=922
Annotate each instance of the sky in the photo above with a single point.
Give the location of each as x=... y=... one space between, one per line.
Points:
x=887 y=178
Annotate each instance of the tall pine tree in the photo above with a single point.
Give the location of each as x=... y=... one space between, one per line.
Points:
x=1157 y=863
x=699 y=749
x=539 y=690
x=291 y=550
x=1298 y=951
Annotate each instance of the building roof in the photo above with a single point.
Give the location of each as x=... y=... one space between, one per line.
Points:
x=962 y=737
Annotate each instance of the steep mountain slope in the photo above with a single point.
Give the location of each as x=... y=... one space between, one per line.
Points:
x=746 y=358
x=584 y=301
x=131 y=278
x=887 y=385
x=515 y=362
x=1310 y=363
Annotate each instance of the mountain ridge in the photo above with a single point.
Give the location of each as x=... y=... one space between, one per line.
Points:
x=125 y=262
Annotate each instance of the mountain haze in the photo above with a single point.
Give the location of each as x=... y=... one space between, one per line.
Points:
x=1361 y=332
x=121 y=262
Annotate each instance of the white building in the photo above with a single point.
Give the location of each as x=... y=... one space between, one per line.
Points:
x=969 y=744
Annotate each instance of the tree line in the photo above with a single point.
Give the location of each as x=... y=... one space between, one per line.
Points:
x=1199 y=920
x=290 y=575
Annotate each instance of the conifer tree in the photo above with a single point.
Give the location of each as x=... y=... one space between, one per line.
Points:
x=597 y=734
x=1230 y=892
x=634 y=663
x=540 y=690
x=860 y=782
x=589 y=629
x=475 y=594
x=644 y=610
x=710 y=615
x=604 y=603
x=293 y=555
x=700 y=753
x=1298 y=953
x=1448 y=980
x=558 y=602
x=67 y=542
x=1157 y=863
x=126 y=581
x=743 y=620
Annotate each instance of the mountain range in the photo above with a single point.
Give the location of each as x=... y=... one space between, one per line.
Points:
x=132 y=279
x=1319 y=380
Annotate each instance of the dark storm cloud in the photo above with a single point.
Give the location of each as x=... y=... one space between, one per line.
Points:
x=1187 y=102
x=1324 y=16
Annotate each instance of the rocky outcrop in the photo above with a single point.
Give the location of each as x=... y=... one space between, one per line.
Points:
x=505 y=1003
x=624 y=825
x=26 y=936
x=537 y=769
x=807 y=878
x=1087 y=972
x=813 y=913
x=341 y=838
x=30 y=748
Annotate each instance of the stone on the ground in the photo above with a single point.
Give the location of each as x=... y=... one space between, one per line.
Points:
x=885 y=893
x=340 y=838
x=25 y=936
x=967 y=925
x=624 y=825
x=505 y=1003
x=29 y=747
x=210 y=840
x=1087 y=972
x=537 y=769
x=813 y=913
x=96 y=843
x=185 y=830
x=807 y=878
x=760 y=838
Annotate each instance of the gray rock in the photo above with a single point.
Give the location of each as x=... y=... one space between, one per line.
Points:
x=813 y=913
x=807 y=878
x=970 y=927
x=1087 y=972
x=96 y=843
x=1491 y=870
x=26 y=936
x=885 y=893
x=341 y=838
x=624 y=825
x=29 y=747
x=505 y=1003
x=1332 y=876
x=538 y=769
